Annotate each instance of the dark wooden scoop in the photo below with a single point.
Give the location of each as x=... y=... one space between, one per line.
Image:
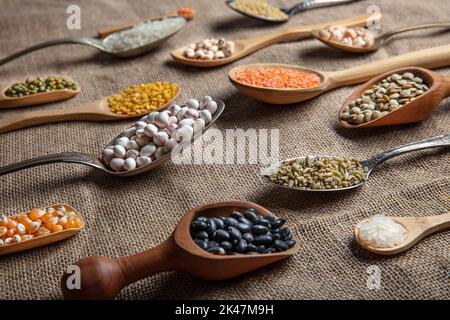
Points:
x=104 y=278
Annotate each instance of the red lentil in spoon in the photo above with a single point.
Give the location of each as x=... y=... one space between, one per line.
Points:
x=276 y=77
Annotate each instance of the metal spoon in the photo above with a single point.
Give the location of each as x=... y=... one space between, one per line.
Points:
x=379 y=40
x=289 y=12
x=100 y=44
x=103 y=278
x=417 y=227
x=372 y=163
x=95 y=160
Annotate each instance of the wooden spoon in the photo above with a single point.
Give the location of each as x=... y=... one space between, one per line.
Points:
x=417 y=227
x=247 y=46
x=38 y=98
x=97 y=110
x=104 y=278
x=435 y=57
x=379 y=40
x=414 y=111
x=106 y=31
x=44 y=240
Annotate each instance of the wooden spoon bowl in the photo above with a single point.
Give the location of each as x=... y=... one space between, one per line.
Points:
x=416 y=110
x=417 y=227
x=274 y=95
x=104 y=278
x=46 y=239
x=38 y=98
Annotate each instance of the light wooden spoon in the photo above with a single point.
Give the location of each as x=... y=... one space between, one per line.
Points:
x=44 y=240
x=103 y=278
x=379 y=40
x=97 y=110
x=247 y=46
x=417 y=110
x=417 y=227
x=38 y=98
x=431 y=58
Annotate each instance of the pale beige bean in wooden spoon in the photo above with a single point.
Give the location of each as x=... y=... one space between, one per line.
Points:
x=416 y=110
x=431 y=58
x=97 y=110
x=379 y=40
x=38 y=98
x=245 y=47
x=417 y=229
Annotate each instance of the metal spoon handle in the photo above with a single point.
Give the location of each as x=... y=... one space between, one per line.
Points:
x=416 y=27
x=309 y=4
x=439 y=141
x=83 y=41
x=67 y=157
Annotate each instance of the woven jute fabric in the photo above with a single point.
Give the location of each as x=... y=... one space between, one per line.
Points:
x=126 y=216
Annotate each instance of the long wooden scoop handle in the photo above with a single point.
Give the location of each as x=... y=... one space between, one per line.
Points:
x=300 y=32
x=431 y=58
x=87 y=112
x=103 y=278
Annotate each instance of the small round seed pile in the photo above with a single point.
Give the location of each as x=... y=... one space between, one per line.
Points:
x=210 y=49
x=259 y=8
x=241 y=233
x=388 y=95
x=30 y=87
x=143 y=98
x=318 y=173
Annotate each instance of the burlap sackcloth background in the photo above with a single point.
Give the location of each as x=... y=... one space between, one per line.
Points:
x=125 y=216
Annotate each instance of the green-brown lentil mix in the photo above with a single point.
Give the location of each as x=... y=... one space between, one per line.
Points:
x=386 y=96
x=39 y=85
x=319 y=173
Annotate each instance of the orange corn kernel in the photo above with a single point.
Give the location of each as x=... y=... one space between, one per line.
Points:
x=3 y=221
x=21 y=217
x=12 y=224
x=21 y=230
x=36 y=214
x=57 y=228
x=3 y=231
x=46 y=216
x=27 y=237
x=10 y=232
x=50 y=223
x=34 y=226
x=42 y=231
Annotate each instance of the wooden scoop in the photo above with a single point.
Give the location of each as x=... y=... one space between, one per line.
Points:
x=416 y=110
x=417 y=227
x=435 y=57
x=38 y=98
x=247 y=46
x=97 y=110
x=104 y=278
x=44 y=240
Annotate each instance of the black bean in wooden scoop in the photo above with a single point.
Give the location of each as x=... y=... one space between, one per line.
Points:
x=242 y=233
